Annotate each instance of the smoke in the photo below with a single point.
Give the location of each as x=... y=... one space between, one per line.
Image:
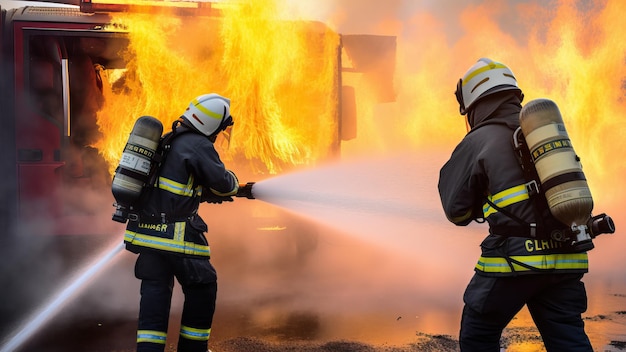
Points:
x=63 y=217
x=41 y=254
x=351 y=243
x=557 y=49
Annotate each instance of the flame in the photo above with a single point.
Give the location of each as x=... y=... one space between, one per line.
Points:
x=280 y=76
x=570 y=53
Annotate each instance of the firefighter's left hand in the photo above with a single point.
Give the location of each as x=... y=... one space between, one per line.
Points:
x=212 y=198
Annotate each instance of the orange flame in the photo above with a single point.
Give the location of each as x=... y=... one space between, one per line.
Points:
x=571 y=54
x=281 y=77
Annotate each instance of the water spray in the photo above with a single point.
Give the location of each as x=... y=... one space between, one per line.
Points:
x=50 y=309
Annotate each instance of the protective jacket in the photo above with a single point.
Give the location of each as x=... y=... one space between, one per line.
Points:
x=167 y=212
x=484 y=166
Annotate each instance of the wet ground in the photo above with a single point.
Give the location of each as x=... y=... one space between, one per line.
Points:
x=117 y=336
x=259 y=326
x=280 y=294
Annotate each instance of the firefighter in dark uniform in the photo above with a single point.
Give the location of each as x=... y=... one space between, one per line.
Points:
x=168 y=233
x=520 y=263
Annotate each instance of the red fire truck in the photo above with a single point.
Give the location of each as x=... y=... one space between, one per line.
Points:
x=49 y=97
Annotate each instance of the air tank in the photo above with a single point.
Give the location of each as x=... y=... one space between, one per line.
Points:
x=136 y=164
x=558 y=167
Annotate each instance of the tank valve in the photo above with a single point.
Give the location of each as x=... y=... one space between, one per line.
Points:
x=120 y=214
x=245 y=190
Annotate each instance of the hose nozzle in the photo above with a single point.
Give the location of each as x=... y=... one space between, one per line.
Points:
x=600 y=224
x=245 y=190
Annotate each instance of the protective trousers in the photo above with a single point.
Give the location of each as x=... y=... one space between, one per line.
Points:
x=555 y=302
x=198 y=280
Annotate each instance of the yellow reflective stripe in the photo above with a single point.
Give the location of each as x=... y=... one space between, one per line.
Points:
x=151 y=336
x=208 y=112
x=231 y=193
x=177 y=187
x=505 y=198
x=167 y=244
x=542 y=262
x=179 y=231
x=462 y=217
x=195 y=334
x=490 y=66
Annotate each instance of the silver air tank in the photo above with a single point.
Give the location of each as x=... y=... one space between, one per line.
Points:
x=558 y=167
x=136 y=165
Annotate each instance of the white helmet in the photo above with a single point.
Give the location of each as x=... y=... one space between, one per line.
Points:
x=209 y=113
x=484 y=78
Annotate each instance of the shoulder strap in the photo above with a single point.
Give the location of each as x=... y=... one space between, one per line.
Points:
x=525 y=229
x=526 y=162
x=543 y=215
x=165 y=144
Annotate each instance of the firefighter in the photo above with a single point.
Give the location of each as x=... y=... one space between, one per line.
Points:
x=168 y=234
x=520 y=263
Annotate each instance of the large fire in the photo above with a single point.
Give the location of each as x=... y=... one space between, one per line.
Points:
x=571 y=53
x=281 y=77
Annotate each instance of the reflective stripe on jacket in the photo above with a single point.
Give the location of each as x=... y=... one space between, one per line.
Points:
x=502 y=256
x=171 y=237
x=572 y=261
x=505 y=198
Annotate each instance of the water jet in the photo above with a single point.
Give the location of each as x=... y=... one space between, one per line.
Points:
x=47 y=311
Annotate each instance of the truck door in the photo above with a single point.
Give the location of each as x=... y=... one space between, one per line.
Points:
x=58 y=92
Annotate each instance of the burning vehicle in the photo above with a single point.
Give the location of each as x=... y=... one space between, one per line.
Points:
x=75 y=79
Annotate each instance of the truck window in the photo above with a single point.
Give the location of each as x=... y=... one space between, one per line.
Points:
x=82 y=164
x=45 y=78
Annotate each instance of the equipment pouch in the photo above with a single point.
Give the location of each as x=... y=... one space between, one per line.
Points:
x=197 y=224
x=478 y=292
x=492 y=242
x=197 y=271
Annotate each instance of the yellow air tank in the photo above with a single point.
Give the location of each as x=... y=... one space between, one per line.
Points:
x=558 y=167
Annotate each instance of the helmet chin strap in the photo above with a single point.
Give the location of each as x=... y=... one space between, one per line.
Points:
x=180 y=121
x=226 y=122
x=458 y=93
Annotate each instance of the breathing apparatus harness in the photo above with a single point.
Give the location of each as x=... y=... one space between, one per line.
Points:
x=165 y=145
x=525 y=229
x=546 y=227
